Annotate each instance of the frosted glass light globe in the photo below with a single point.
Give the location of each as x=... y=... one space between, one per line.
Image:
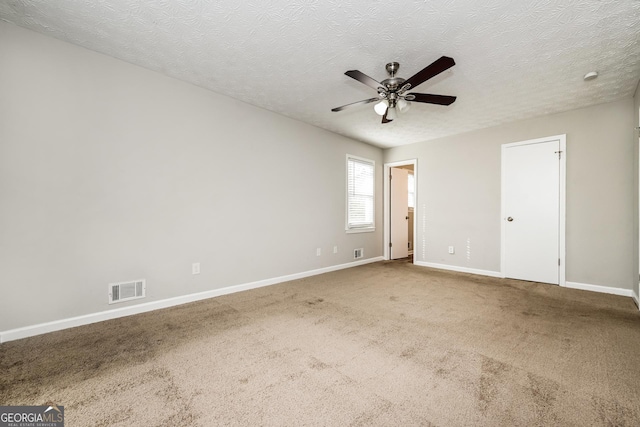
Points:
x=403 y=105
x=381 y=107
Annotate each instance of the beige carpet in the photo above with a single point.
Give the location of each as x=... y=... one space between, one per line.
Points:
x=382 y=344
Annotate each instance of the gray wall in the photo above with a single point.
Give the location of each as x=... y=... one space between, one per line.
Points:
x=110 y=172
x=459 y=193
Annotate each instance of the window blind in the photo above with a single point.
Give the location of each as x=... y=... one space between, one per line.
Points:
x=360 y=193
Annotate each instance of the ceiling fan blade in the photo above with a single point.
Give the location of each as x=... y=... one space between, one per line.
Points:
x=433 y=99
x=366 y=101
x=363 y=78
x=438 y=66
x=384 y=118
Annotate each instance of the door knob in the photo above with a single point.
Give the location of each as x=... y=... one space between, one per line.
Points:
x=509 y=219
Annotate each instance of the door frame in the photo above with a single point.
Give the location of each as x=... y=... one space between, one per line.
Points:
x=636 y=297
x=387 y=204
x=563 y=201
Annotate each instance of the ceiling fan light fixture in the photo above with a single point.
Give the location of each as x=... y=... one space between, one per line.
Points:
x=381 y=107
x=403 y=105
x=391 y=114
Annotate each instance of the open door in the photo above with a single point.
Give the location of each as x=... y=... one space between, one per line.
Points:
x=399 y=247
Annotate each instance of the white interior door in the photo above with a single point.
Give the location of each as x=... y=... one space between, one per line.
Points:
x=399 y=213
x=531 y=207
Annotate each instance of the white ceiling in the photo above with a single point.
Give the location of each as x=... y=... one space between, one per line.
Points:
x=514 y=59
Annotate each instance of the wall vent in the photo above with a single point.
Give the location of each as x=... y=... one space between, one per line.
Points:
x=125 y=291
x=358 y=253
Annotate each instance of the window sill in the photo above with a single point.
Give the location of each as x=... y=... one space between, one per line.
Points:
x=360 y=230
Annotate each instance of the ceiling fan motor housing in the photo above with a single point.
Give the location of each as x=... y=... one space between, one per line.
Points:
x=393 y=83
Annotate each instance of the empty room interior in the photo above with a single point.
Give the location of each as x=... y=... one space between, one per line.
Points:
x=315 y=213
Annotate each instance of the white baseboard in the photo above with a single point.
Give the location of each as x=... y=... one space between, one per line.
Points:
x=459 y=269
x=636 y=299
x=602 y=289
x=56 y=325
x=583 y=286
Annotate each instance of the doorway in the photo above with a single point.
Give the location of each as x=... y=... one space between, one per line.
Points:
x=400 y=207
x=533 y=210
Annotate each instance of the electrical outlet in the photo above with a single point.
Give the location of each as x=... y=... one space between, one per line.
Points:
x=319 y=251
x=452 y=250
x=335 y=249
x=195 y=268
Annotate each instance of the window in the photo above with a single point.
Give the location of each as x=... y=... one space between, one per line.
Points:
x=360 y=194
x=412 y=190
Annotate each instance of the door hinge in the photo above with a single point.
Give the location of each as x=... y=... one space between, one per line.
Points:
x=390 y=244
x=559 y=154
x=558 y=262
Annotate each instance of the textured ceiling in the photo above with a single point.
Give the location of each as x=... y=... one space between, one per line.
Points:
x=515 y=59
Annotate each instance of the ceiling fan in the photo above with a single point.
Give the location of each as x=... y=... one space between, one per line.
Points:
x=392 y=92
